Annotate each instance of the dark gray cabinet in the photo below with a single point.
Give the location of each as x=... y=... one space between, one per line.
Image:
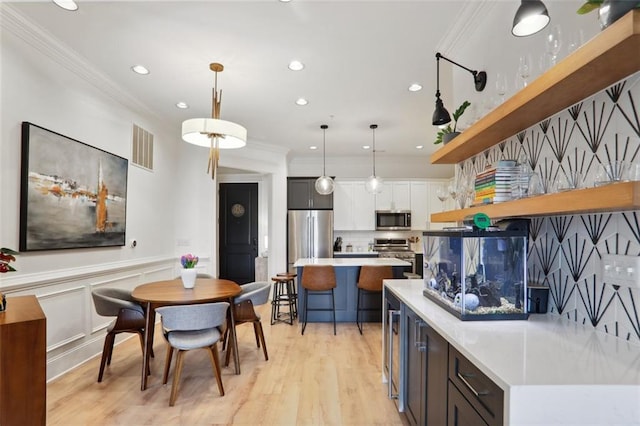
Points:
x=483 y=396
x=426 y=373
x=302 y=195
x=461 y=412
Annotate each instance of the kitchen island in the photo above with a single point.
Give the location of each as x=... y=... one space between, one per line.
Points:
x=552 y=370
x=347 y=271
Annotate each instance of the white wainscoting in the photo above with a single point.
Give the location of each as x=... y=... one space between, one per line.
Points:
x=75 y=333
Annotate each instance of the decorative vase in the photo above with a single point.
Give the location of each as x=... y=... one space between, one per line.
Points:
x=612 y=10
x=447 y=137
x=188 y=277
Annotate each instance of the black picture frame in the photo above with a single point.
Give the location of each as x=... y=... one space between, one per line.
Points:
x=72 y=195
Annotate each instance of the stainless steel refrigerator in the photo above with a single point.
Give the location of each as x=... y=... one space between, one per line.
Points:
x=310 y=234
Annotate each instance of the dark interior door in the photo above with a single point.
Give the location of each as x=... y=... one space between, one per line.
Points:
x=238 y=230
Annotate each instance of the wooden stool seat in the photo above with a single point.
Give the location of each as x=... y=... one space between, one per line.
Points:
x=284 y=294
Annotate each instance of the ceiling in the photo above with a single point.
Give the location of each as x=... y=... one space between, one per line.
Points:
x=360 y=58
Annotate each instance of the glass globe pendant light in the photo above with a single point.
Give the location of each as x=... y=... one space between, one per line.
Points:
x=373 y=184
x=324 y=184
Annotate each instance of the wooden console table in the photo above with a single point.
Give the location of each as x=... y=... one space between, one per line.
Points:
x=23 y=362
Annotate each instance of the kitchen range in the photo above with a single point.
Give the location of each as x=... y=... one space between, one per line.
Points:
x=396 y=248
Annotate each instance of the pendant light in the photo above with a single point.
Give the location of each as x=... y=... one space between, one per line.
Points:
x=531 y=17
x=324 y=184
x=373 y=184
x=214 y=133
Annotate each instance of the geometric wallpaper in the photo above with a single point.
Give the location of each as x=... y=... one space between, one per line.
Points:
x=565 y=252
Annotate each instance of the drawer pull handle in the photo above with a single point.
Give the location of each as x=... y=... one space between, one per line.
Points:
x=463 y=376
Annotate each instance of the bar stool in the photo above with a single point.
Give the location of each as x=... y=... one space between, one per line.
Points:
x=370 y=282
x=284 y=295
x=291 y=288
x=321 y=280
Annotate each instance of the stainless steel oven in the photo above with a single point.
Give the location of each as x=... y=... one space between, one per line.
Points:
x=397 y=248
x=392 y=331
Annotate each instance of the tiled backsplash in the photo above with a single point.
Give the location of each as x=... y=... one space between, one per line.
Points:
x=565 y=251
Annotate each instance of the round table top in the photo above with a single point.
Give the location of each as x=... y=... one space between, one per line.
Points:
x=173 y=292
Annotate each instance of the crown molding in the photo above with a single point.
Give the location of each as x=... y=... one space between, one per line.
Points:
x=466 y=25
x=12 y=21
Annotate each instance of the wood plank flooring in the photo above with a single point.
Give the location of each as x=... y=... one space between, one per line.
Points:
x=317 y=378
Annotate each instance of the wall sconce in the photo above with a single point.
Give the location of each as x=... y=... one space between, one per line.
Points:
x=531 y=17
x=441 y=115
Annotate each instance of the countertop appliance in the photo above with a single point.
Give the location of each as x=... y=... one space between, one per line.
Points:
x=393 y=220
x=309 y=235
x=396 y=247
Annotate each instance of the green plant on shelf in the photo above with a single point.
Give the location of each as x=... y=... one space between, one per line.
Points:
x=449 y=129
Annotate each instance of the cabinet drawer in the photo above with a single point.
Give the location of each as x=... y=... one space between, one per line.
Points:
x=460 y=412
x=484 y=395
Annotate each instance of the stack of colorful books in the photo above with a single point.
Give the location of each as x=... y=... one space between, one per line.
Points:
x=493 y=184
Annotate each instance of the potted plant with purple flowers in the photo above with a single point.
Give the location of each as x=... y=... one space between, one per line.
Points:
x=6 y=257
x=188 y=272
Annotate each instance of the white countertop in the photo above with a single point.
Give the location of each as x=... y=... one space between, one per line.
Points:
x=554 y=371
x=349 y=261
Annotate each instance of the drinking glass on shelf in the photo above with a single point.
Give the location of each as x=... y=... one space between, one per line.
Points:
x=524 y=68
x=501 y=85
x=554 y=43
x=576 y=39
x=454 y=192
x=443 y=194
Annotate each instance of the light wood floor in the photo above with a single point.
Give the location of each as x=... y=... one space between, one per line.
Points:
x=317 y=378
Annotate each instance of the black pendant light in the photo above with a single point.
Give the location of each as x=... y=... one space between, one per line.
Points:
x=531 y=17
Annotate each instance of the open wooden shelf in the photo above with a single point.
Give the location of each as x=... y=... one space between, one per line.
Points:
x=607 y=198
x=607 y=58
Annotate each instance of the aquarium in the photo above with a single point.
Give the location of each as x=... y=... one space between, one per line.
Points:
x=478 y=274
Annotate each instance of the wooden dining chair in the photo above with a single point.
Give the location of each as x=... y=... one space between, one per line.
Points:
x=187 y=327
x=115 y=302
x=253 y=294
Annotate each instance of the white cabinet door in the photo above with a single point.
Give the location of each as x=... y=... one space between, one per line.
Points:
x=353 y=207
x=364 y=214
x=401 y=196
x=394 y=196
x=419 y=206
x=342 y=206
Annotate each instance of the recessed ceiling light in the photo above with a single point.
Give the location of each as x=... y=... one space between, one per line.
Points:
x=366 y=147
x=296 y=65
x=301 y=101
x=67 y=4
x=182 y=105
x=415 y=87
x=140 y=69
x=285 y=1
x=313 y=147
x=419 y=146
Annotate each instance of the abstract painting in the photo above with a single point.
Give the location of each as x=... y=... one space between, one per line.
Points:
x=72 y=195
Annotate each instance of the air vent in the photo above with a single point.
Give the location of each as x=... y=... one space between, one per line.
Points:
x=142 y=148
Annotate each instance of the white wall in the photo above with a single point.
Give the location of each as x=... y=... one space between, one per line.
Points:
x=387 y=167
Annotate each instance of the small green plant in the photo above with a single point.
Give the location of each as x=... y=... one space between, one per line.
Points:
x=456 y=116
x=589 y=6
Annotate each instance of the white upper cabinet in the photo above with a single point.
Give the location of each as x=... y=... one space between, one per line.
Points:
x=353 y=207
x=394 y=196
x=419 y=206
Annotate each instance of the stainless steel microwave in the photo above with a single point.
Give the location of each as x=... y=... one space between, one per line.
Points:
x=393 y=220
